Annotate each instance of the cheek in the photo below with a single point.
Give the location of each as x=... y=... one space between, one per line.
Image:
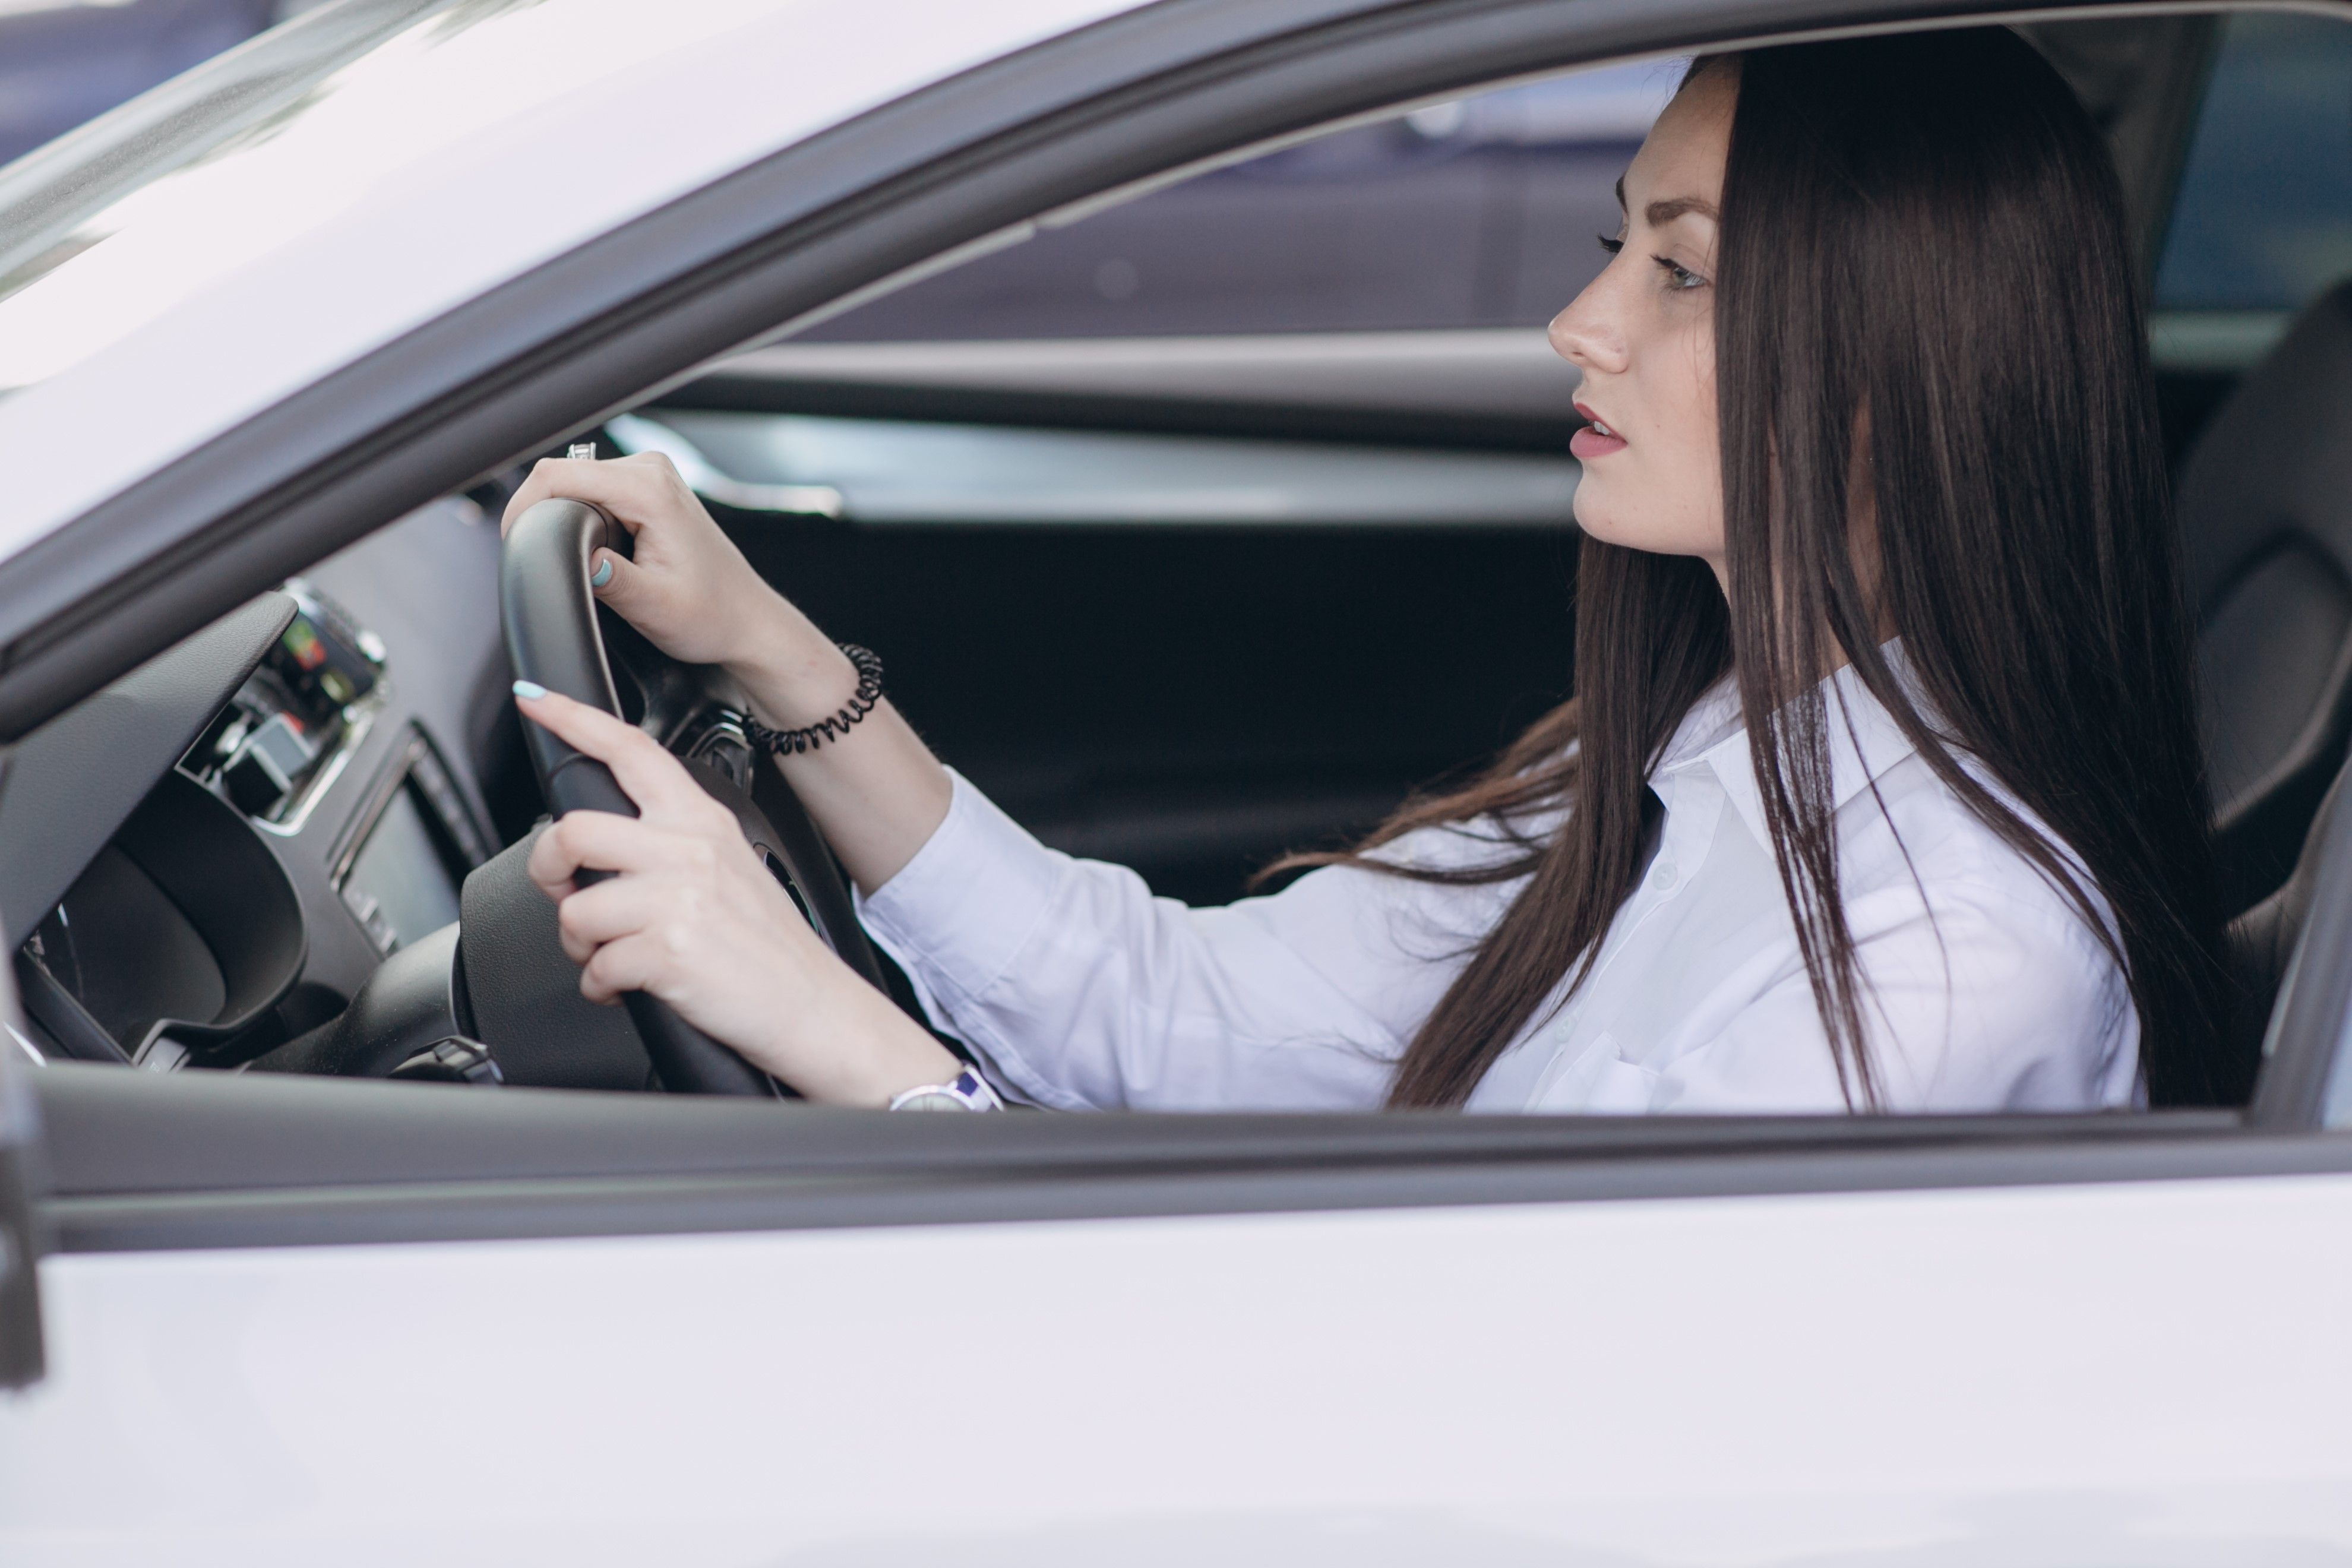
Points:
x=1664 y=493
x=1697 y=455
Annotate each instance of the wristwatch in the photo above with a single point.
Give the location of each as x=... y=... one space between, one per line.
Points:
x=970 y=1091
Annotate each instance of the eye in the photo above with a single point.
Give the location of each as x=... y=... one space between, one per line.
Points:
x=1611 y=246
x=1678 y=277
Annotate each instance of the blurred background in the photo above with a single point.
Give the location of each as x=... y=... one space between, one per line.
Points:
x=1462 y=215
x=63 y=64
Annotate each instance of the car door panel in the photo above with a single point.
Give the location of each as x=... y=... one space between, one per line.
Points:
x=1707 y=1381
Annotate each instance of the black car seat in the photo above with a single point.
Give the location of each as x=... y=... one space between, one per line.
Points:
x=2266 y=505
x=2263 y=939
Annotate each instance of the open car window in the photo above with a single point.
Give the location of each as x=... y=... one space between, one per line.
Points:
x=1183 y=693
x=1183 y=571
x=1206 y=526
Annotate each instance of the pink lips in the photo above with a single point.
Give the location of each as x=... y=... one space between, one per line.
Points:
x=1592 y=441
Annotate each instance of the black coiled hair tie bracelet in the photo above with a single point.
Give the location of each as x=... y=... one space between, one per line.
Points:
x=809 y=737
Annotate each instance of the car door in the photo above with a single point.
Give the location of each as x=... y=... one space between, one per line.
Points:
x=2082 y=1342
x=307 y=1321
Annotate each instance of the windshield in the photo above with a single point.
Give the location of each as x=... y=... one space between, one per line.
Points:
x=111 y=226
x=62 y=200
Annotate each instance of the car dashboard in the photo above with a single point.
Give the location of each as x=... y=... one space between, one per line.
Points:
x=229 y=890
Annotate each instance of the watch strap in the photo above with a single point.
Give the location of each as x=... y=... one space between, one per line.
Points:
x=967 y=1092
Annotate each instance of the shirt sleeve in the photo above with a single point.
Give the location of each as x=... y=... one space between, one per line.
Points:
x=1079 y=989
x=1988 y=1004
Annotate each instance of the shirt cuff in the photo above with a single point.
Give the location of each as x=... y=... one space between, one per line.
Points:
x=968 y=901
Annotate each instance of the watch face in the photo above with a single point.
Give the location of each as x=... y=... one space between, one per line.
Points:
x=938 y=1099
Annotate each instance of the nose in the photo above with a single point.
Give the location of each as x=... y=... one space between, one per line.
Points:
x=1586 y=333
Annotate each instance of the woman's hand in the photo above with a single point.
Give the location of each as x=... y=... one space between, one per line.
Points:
x=689 y=588
x=693 y=917
x=877 y=793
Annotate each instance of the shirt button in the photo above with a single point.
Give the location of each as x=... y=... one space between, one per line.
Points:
x=1661 y=876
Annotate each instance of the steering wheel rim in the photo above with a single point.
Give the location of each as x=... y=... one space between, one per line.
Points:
x=553 y=638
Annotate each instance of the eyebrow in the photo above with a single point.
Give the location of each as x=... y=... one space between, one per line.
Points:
x=1657 y=215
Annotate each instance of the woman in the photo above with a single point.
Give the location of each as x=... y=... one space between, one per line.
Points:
x=1882 y=789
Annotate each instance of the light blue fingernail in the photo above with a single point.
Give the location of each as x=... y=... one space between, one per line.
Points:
x=530 y=690
x=602 y=575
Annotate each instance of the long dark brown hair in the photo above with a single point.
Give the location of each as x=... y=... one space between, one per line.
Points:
x=1923 y=265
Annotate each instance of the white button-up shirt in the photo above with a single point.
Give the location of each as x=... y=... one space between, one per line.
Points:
x=1981 y=988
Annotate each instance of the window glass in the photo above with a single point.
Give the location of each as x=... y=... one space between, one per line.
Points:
x=1476 y=213
x=109 y=228
x=2263 y=218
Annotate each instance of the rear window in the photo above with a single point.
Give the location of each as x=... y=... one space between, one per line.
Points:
x=2264 y=217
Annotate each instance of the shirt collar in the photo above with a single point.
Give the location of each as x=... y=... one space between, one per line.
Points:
x=1865 y=741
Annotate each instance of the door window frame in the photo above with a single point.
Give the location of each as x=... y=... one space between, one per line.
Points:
x=144 y=1161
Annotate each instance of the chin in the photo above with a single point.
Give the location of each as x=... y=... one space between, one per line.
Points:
x=1667 y=524
x=1594 y=516
x=1612 y=523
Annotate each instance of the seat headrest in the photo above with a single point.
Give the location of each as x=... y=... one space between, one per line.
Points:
x=2277 y=457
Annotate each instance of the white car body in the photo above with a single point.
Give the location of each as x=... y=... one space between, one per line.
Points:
x=261 y=274
x=2007 y=1355
x=1881 y=1379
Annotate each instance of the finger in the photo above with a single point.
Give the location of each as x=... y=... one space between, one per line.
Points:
x=549 y=477
x=619 y=582
x=648 y=775
x=621 y=907
x=630 y=488
x=624 y=845
x=631 y=963
x=553 y=864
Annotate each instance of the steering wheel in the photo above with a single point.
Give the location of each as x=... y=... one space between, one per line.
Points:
x=553 y=638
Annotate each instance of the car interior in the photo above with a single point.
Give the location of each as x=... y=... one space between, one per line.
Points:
x=1200 y=527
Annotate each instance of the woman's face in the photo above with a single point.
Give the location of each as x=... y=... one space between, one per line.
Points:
x=1644 y=335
